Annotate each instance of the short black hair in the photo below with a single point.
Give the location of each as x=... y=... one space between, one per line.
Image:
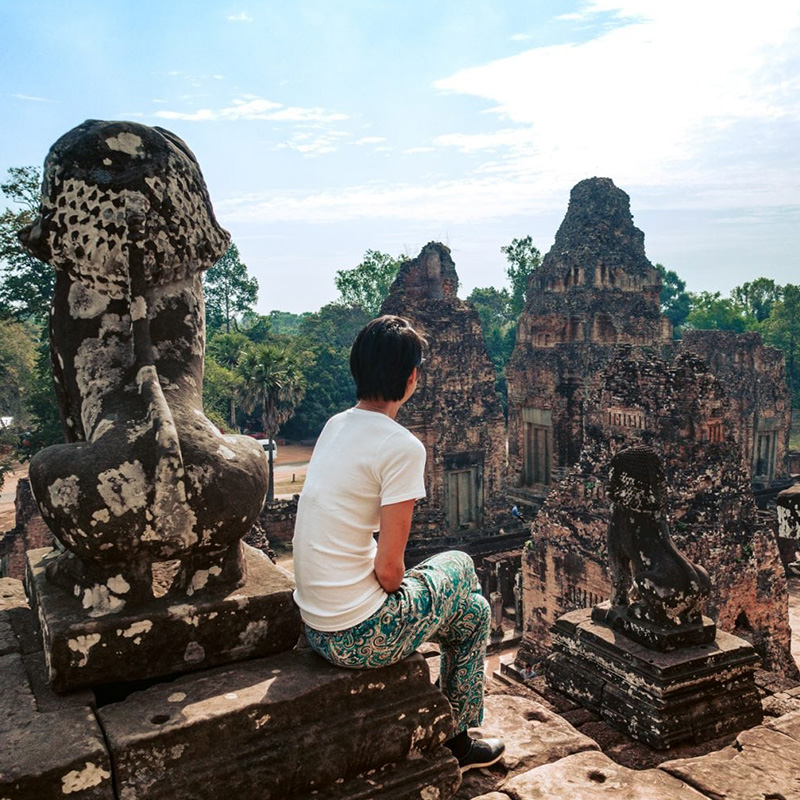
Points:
x=383 y=356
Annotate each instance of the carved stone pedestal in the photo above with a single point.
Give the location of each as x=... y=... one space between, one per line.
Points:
x=662 y=699
x=163 y=637
x=285 y=727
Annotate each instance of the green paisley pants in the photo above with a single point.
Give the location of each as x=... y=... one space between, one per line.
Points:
x=438 y=601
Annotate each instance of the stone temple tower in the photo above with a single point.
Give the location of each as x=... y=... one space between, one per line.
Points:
x=595 y=290
x=455 y=412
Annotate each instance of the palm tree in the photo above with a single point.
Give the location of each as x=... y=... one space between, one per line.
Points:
x=270 y=379
x=226 y=349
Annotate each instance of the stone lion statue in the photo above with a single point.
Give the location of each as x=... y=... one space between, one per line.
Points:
x=147 y=495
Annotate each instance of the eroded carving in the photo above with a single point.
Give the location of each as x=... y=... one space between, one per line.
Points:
x=145 y=478
x=658 y=594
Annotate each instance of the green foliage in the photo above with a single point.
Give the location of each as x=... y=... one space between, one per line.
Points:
x=223 y=354
x=711 y=311
x=758 y=297
x=367 y=285
x=326 y=338
x=499 y=326
x=27 y=283
x=42 y=405
x=675 y=300
x=270 y=380
x=256 y=327
x=523 y=260
x=782 y=329
x=285 y=323
x=229 y=291
x=17 y=362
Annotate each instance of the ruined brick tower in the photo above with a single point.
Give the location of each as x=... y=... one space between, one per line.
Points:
x=594 y=290
x=753 y=377
x=455 y=411
x=680 y=408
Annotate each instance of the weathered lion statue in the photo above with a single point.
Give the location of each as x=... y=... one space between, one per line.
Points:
x=148 y=497
x=654 y=586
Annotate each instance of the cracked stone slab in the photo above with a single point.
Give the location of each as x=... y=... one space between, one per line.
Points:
x=56 y=754
x=594 y=776
x=294 y=722
x=533 y=735
x=763 y=763
x=164 y=637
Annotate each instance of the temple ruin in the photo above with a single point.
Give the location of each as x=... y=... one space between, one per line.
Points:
x=594 y=290
x=455 y=411
x=681 y=408
x=760 y=412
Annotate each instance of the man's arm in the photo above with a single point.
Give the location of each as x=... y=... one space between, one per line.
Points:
x=394 y=529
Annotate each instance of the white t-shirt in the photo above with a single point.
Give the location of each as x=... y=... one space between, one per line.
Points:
x=362 y=460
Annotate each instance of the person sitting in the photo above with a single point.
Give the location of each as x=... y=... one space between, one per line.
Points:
x=360 y=606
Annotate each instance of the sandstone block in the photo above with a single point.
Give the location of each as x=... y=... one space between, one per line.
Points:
x=594 y=776
x=294 y=722
x=693 y=694
x=764 y=762
x=48 y=754
x=163 y=637
x=533 y=735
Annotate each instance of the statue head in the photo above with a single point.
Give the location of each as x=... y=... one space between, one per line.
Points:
x=636 y=480
x=111 y=187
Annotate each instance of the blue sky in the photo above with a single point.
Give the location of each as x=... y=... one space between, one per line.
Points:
x=327 y=127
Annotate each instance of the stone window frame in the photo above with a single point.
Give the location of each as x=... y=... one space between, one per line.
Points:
x=767 y=431
x=535 y=420
x=468 y=463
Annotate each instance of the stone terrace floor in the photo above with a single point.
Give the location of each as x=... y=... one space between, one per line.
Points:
x=556 y=749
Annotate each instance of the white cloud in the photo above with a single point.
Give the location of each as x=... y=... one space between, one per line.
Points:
x=242 y=16
x=32 y=98
x=474 y=142
x=370 y=140
x=252 y=107
x=412 y=150
x=648 y=100
x=314 y=144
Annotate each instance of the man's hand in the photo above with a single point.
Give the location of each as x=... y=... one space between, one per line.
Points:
x=389 y=560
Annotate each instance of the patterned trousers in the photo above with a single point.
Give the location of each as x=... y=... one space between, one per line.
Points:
x=438 y=601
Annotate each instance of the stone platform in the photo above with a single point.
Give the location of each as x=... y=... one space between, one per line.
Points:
x=288 y=726
x=164 y=637
x=662 y=699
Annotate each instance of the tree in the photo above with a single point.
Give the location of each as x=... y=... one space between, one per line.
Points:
x=17 y=362
x=758 y=297
x=286 y=323
x=782 y=329
x=42 y=405
x=226 y=349
x=711 y=311
x=675 y=300
x=228 y=290
x=219 y=385
x=523 y=260
x=499 y=327
x=325 y=339
x=27 y=283
x=498 y=322
x=256 y=327
x=270 y=379
x=368 y=284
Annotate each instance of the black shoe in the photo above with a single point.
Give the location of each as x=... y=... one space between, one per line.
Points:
x=482 y=753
